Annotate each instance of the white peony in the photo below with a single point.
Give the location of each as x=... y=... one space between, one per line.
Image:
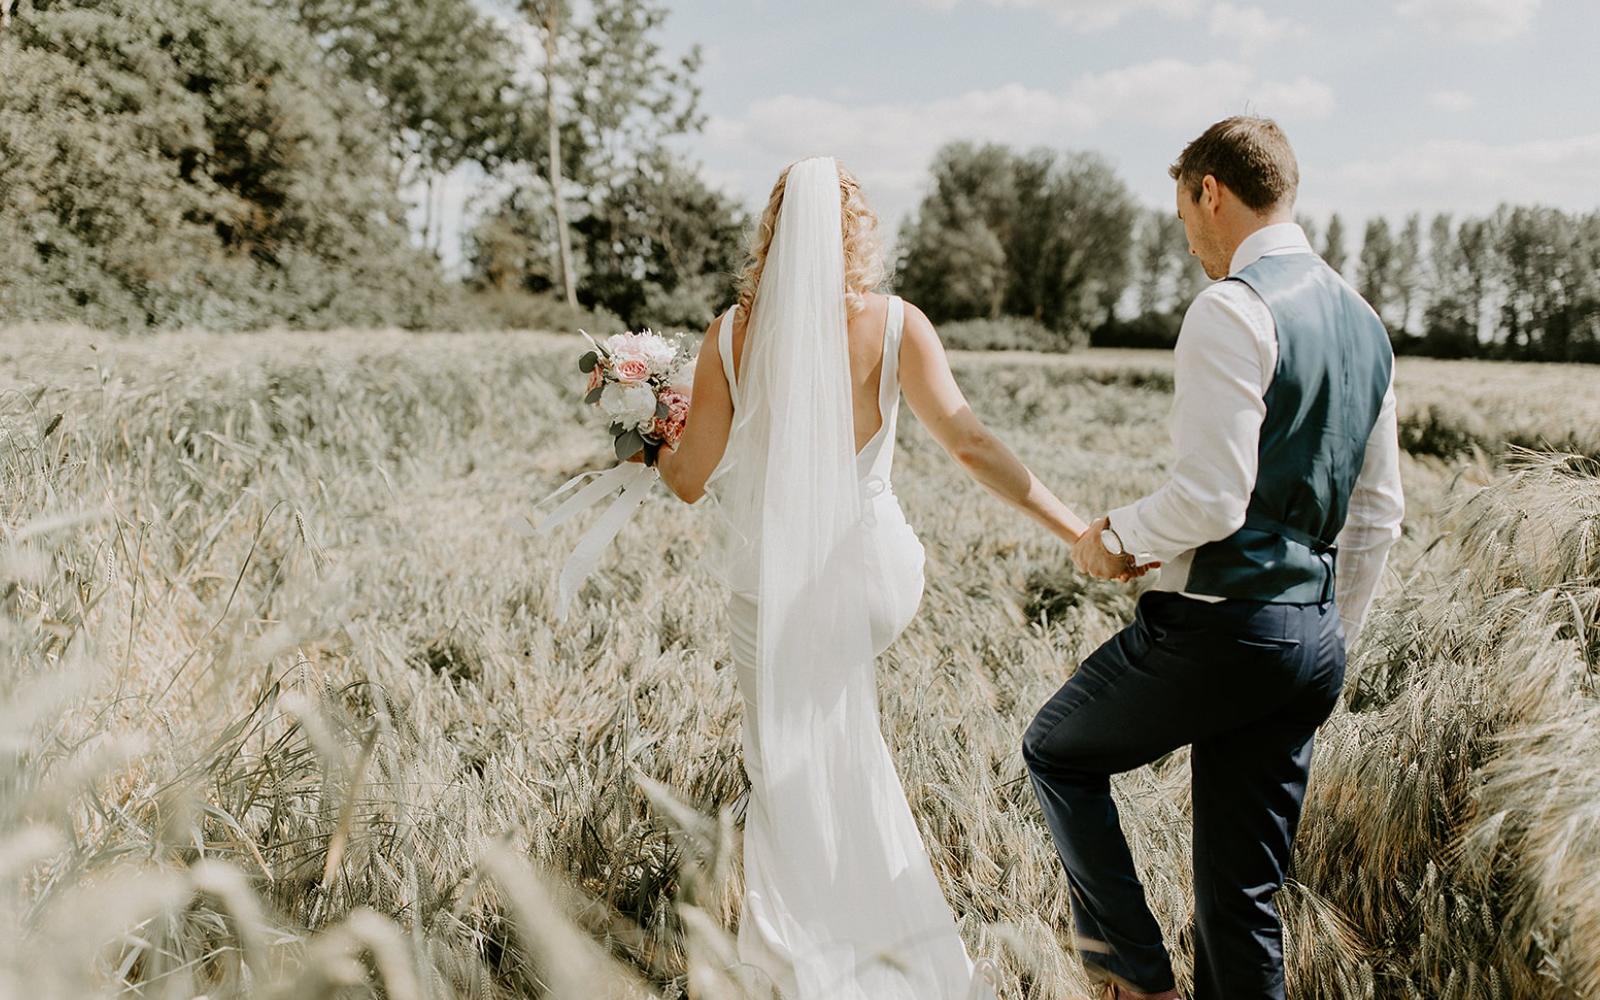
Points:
x=647 y=346
x=629 y=404
x=622 y=346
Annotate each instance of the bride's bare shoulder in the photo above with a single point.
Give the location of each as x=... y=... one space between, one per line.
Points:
x=917 y=323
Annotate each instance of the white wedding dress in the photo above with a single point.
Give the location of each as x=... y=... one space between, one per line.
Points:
x=841 y=900
x=894 y=556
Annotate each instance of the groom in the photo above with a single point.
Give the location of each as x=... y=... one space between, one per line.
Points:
x=1286 y=470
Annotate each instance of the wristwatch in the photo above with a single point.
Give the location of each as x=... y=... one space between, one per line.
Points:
x=1112 y=541
x=1113 y=544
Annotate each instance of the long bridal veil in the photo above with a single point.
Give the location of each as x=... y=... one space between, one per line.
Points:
x=852 y=891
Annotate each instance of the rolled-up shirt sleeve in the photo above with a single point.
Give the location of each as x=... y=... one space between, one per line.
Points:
x=1217 y=410
x=1377 y=506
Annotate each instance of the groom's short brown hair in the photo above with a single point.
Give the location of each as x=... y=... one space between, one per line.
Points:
x=1249 y=155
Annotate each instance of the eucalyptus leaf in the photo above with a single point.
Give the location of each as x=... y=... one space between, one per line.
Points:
x=629 y=445
x=588 y=361
x=593 y=396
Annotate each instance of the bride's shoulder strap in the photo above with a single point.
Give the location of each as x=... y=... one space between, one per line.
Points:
x=893 y=328
x=725 y=344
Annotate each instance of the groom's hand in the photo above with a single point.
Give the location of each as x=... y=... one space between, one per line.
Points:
x=1091 y=556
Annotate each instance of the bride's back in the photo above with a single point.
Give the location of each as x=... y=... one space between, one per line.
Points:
x=866 y=330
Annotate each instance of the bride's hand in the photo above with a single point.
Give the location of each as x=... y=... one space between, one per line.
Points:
x=1134 y=572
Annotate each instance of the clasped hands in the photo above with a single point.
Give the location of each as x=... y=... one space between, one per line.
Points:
x=1091 y=556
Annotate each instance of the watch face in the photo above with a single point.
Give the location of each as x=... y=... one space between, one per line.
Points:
x=1112 y=543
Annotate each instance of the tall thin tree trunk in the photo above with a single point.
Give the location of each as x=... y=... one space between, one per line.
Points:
x=563 y=237
x=440 y=194
x=427 y=210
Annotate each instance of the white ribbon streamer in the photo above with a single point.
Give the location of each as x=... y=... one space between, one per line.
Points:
x=634 y=479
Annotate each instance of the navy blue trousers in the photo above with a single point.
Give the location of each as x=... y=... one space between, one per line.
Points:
x=1246 y=684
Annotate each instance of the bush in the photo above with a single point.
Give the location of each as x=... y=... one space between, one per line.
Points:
x=1009 y=333
x=514 y=309
x=1151 y=330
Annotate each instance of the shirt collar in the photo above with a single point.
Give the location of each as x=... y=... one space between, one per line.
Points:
x=1280 y=237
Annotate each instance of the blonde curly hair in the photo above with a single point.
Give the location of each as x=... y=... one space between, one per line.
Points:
x=863 y=254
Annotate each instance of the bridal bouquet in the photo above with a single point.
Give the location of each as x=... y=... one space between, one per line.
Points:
x=631 y=380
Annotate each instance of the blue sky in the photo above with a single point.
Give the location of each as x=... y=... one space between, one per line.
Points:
x=1415 y=104
x=1431 y=105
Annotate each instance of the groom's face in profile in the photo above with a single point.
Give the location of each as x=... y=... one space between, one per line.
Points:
x=1200 y=224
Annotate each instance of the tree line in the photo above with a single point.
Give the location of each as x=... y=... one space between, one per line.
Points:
x=236 y=164
x=1520 y=283
x=1056 y=242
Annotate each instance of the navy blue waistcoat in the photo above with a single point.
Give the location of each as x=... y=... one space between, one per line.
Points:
x=1334 y=368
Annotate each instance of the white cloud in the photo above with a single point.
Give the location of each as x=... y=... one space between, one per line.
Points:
x=1301 y=98
x=1473 y=20
x=1173 y=92
x=1252 y=28
x=1463 y=176
x=1086 y=15
x=1452 y=101
x=891 y=144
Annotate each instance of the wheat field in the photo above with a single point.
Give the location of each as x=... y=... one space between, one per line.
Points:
x=287 y=713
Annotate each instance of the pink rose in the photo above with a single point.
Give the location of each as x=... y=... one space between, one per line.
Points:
x=669 y=429
x=595 y=379
x=633 y=370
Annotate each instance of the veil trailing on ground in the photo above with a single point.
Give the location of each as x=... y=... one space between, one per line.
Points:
x=850 y=884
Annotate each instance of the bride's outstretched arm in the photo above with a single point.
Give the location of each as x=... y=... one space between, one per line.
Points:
x=705 y=436
x=938 y=402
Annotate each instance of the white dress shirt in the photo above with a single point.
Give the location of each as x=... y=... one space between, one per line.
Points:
x=1225 y=358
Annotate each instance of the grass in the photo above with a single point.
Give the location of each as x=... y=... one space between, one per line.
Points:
x=285 y=713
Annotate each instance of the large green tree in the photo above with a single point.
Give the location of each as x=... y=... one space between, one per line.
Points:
x=1334 y=250
x=175 y=162
x=1445 y=315
x=1376 y=266
x=513 y=245
x=1475 y=243
x=441 y=73
x=953 y=259
x=1060 y=221
x=609 y=95
x=1167 y=275
x=1549 y=301
x=660 y=247
x=1408 y=271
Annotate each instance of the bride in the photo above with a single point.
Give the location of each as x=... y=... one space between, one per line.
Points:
x=792 y=434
